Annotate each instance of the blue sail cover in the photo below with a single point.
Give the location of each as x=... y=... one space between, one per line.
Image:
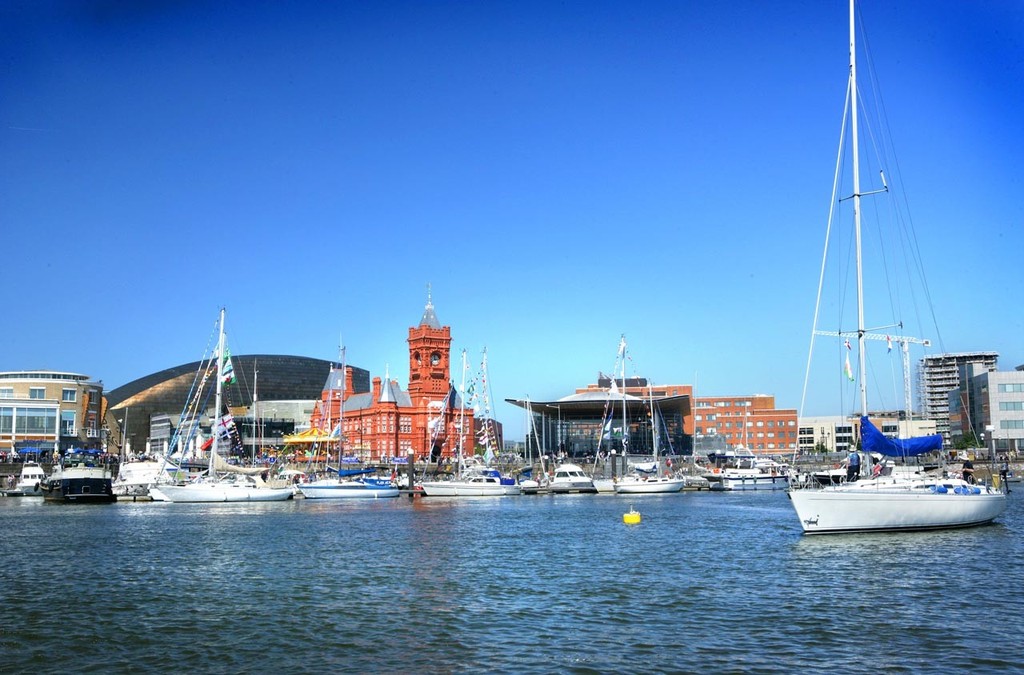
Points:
x=873 y=440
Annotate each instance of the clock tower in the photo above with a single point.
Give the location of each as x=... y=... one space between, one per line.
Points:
x=430 y=347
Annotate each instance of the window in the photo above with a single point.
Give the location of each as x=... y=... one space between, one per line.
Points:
x=1011 y=388
x=69 y=395
x=1011 y=424
x=67 y=423
x=1011 y=405
x=6 y=392
x=37 y=392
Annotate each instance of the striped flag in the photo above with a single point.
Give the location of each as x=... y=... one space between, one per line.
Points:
x=847 y=370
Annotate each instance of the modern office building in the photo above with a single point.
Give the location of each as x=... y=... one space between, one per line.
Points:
x=988 y=405
x=938 y=375
x=613 y=415
x=46 y=410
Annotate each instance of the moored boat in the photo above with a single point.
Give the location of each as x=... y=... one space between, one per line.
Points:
x=80 y=477
x=571 y=478
x=30 y=482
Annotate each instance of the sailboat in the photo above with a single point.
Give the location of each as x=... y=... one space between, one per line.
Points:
x=241 y=484
x=351 y=483
x=898 y=501
x=653 y=480
x=472 y=478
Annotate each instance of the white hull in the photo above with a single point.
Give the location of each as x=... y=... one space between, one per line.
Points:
x=219 y=492
x=570 y=478
x=741 y=482
x=605 y=485
x=456 y=488
x=870 y=505
x=651 y=486
x=346 y=489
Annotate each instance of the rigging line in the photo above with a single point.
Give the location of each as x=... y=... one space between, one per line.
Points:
x=828 y=234
x=904 y=201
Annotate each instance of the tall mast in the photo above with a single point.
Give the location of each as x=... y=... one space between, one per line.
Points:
x=341 y=412
x=861 y=352
x=462 y=415
x=654 y=429
x=218 y=398
x=255 y=410
x=622 y=370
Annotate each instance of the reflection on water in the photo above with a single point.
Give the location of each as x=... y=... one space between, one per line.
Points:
x=723 y=582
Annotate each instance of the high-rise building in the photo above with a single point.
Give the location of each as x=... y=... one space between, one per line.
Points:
x=940 y=374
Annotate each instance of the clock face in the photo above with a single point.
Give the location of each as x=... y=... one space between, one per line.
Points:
x=435 y=359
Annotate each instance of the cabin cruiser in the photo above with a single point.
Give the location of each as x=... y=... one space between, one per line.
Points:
x=570 y=478
x=30 y=484
x=81 y=477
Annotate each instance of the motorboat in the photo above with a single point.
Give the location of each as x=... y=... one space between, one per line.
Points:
x=571 y=478
x=30 y=482
x=81 y=476
x=749 y=473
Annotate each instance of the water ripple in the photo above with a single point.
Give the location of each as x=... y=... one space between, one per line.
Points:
x=717 y=582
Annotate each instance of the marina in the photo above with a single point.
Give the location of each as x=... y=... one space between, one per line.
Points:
x=708 y=581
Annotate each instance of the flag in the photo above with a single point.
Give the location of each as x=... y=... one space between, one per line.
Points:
x=888 y=342
x=606 y=433
x=847 y=370
x=227 y=371
x=847 y=343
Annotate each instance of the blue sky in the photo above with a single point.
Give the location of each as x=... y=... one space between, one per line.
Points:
x=559 y=173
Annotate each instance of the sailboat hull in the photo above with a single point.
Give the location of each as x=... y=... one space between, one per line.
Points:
x=878 y=507
x=347 y=489
x=653 y=486
x=216 y=492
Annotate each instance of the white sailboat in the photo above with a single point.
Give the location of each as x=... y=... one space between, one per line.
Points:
x=240 y=484
x=656 y=481
x=472 y=479
x=354 y=484
x=897 y=501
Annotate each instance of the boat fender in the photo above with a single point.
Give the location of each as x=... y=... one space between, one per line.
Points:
x=940 y=489
x=976 y=491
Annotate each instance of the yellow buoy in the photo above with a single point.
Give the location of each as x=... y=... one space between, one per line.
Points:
x=632 y=517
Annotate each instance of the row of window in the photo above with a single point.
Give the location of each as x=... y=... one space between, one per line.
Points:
x=739 y=425
x=67 y=395
x=1011 y=405
x=1011 y=424
x=28 y=420
x=1011 y=388
x=723 y=404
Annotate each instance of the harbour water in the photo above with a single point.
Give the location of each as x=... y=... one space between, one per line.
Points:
x=706 y=582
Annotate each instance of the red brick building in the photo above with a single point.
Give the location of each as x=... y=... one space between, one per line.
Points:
x=388 y=422
x=749 y=421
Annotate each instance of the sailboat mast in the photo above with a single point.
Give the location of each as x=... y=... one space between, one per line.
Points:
x=462 y=414
x=255 y=410
x=622 y=370
x=218 y=397
x=341 y=412
x=861 y=352
x=654 y=429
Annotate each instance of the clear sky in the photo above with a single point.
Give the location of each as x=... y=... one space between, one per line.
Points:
x=559 y=172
